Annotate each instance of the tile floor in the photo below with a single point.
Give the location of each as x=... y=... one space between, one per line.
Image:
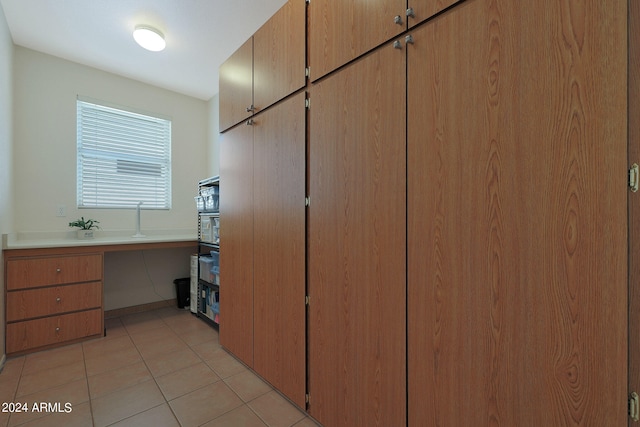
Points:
x=159 y=368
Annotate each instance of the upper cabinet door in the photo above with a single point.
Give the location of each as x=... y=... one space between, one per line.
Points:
x=279 y=55
x=420 y=10
x=236 y=86
x=340 y=31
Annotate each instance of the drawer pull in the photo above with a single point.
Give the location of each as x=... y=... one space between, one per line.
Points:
x=57 y=329
x=58 y=299
x=58 y=270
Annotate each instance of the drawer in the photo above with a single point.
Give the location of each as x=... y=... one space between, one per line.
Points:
x=35 y=272
x=32 y=334
x=54 y=300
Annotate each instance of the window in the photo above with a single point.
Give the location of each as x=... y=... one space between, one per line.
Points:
x=123 y=158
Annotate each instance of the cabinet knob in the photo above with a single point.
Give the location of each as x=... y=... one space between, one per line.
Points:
x=397 y=44
x=58 y=329
x=58 y=299
x=398 y=20
x=411 y=13
x=58 y=270
x=250 y=122
x=250 y=108
x=408 y=39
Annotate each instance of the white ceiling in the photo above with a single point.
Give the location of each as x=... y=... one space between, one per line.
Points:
x=200 y=35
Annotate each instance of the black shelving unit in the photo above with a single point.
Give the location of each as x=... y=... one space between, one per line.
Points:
x=208 y=203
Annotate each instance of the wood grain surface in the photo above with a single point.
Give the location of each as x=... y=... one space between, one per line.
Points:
x=517 y=247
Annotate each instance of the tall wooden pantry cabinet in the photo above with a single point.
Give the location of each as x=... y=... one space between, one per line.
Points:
x=517 y=239
x=263 y=238
x=467 y=254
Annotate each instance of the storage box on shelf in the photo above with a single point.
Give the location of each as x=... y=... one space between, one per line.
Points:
x=208 y=265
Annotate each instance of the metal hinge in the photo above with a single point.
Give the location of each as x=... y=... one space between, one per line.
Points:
x=307 y=399
x=634 y=174
x=307 y=71
x=634 y=406
x=307 y=103
x=306 y=300
x=307 y=201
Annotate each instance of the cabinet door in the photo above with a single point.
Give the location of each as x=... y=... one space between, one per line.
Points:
x=517 y=244
x=357 y=252
x=279 y=55
x=340 y=31
x=425 y=9
x=236 y=86
x=236 y=242
x=279 y=247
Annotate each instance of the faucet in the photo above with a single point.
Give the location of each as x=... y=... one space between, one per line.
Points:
x=138 y=234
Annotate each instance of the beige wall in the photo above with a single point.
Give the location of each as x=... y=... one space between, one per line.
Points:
x=6 y=154
x=44 y=141
x=45 y=91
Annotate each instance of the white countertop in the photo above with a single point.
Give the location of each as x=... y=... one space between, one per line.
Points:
x=30 y=240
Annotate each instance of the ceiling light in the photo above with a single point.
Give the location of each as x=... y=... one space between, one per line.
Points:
x=149 y=38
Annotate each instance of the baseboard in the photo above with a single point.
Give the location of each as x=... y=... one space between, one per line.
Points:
x=109 y=314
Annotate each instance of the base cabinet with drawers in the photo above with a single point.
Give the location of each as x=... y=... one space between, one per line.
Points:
x=52 y=299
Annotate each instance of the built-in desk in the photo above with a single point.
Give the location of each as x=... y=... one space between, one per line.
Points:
x=54 y=285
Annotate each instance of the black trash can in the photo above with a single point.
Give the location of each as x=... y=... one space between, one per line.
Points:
x=183 y=290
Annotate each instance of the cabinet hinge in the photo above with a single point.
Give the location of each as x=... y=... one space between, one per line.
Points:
x=634 y=406
x=308 y=1
x=307 y=103
x=634 y=175
x=306 y=300
x=307 y=71
x=307 y=398
x=307 y=201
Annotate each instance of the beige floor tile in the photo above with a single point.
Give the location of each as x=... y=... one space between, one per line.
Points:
x=141 y=322
x=114 y=328
x=186 y=380
x=160 y=416
x=275 y=410
x=110 y=381
x=161 y=345
x=247 y=385
x=306 y=422
x=74 y=393
x=13 y=367
x=198 y=336
x=125 y=403
x=224 y=364
x=162 y=331
x=79 y=416
x=170 y=362
x=100 y=347
x=242 y=416
x=206 y=350
x=53 y=377
x=205 y=404
x=49 y=359
x=112 y=360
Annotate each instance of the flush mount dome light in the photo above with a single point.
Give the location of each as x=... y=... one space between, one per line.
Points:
x=149 y=38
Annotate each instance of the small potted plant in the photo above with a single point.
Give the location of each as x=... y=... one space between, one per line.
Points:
x=85 y=226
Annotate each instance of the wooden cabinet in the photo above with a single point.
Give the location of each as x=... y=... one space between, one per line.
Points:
x=263 y=245
x=236 y=86
x=420 y=10
x=279 y=247
x=236 y=242
x=279 y=55
x=356 y=244
x=52 y=300
x=517 y=263
x=266 y=68
x=340 y=31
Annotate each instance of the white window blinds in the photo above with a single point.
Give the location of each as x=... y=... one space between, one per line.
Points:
x=123 y=158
